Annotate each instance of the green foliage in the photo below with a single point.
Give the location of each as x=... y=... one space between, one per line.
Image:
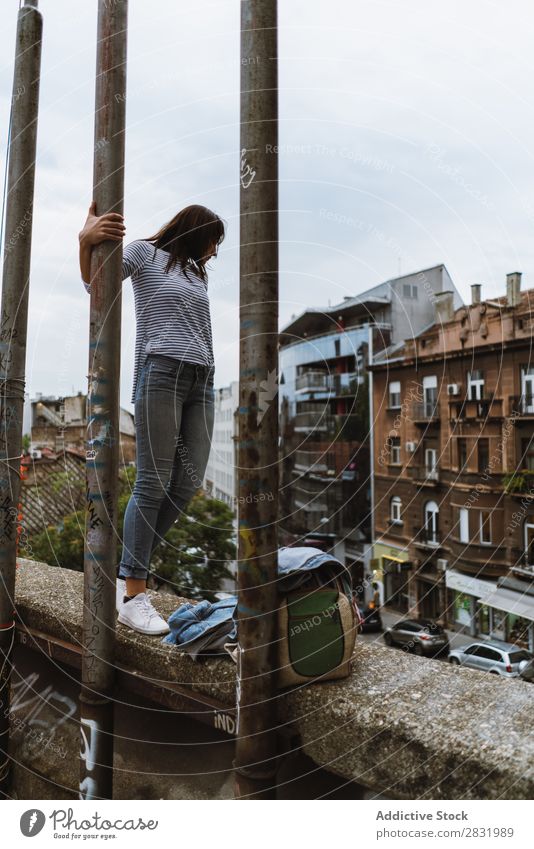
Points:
x=521 y=480
x=192 y=558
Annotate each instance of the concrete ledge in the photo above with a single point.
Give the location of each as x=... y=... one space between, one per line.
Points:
x=404 y=726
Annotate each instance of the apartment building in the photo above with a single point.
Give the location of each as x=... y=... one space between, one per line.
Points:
x=325 y=491
x=219 y=479
x=60 y=423
x=453 y=412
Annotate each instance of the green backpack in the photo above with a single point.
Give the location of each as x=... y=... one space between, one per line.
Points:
x=317 y=628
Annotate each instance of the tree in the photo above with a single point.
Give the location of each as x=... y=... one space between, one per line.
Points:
x=192 y=559
x=194 y=556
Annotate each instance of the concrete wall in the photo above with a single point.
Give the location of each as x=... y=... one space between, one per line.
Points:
x=402 y=726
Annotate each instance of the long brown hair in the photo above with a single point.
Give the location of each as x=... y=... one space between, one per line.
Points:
x=188 y=238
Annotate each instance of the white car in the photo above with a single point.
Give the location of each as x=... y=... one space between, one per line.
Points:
x=499 y=658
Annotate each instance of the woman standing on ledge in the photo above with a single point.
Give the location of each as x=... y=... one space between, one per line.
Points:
x=172 y=391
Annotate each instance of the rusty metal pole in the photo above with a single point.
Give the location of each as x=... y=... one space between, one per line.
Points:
x=13 y=333
x=98 y=672
x=255 y=762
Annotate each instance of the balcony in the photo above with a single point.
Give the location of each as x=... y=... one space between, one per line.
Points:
x=521 y=406
x=427 y=538
x=467 y=409
x=337 y=384
x=522 y=563
x=312 y=381
x=519 y=483
x=423 y=475
x=313 y=420
x=311 y=506
x=426 y=412
x=315 y=462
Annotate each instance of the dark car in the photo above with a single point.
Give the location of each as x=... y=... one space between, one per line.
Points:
x=371 y=619
x=526 y=670
x=422 y=636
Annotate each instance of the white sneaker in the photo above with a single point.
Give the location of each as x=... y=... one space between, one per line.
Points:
x=121 y=592
x=140 y=615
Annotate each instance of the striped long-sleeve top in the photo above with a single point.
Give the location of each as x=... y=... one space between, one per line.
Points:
x=172 y=312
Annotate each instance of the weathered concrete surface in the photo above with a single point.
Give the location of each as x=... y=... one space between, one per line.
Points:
x=405 y=726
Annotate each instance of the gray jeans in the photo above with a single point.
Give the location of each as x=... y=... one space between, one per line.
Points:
x=174 y=407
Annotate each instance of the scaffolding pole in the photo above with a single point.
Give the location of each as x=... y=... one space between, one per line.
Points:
x=103 y=400
x=255 y=763
x=13 y=334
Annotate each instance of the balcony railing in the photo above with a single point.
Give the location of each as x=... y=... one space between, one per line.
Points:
x=313 y=420
x=315 y=462
x=427 y=537
x=424 y=474
x=312 y=381
x=426 y=411
x=323 y=381
x=522 y=562
x=482 y=408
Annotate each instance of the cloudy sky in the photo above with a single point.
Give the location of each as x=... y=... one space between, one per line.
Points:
x=407 y=140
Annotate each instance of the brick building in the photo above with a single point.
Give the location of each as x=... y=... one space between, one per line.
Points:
x=453 y=458
x=61 y=423
x=324 y=410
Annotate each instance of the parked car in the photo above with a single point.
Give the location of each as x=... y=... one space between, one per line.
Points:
x=371 y=619
x=497 y=657
x=526 y=670
x=423 y=636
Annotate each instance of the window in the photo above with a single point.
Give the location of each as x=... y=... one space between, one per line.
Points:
x=527 y=390
x=485 y=526
x=409 y=290
x=394 y=451
x=337 y=347
x=463 y=524
x=518 y=656
x=430 y=395
x=475 y=385
x=488 y=653
x=527 y=454
x=395 y=394
x=483 y=455
x=462 y=454
x=395 y=507
x=529 y=542
x=431 y=521
x=431 y=463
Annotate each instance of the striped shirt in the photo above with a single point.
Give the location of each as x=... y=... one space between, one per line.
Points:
x=172 y=312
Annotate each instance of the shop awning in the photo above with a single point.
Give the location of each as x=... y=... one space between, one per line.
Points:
x=511 y=602
x=469 y=585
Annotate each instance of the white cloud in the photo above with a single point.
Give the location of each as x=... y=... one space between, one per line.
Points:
x=418 y=118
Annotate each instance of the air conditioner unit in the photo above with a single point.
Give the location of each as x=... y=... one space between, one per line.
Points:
x=453 y=389
x=411 y=447
x=442 y=564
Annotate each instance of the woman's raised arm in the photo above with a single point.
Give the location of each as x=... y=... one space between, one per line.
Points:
x=98 y=228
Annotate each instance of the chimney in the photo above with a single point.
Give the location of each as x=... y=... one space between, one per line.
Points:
x=476 y=293
x=513 y=288
x=444 y=305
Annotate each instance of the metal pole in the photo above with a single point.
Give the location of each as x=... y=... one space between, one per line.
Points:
x=255 y=762
x=98 y=673
x=13 y=333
